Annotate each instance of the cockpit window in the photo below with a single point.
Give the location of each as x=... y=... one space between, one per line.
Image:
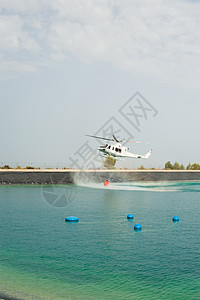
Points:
x=109 y=147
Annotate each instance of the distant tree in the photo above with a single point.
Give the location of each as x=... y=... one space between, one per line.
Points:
x=195 y=166
x=189 y=166
x=18 y=167
x=141 y=167
x=168 y=165
x=6 y=167
x=109 y=162
x=176 y=166
x=29 y=167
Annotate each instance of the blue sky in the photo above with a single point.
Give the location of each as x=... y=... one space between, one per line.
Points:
x=66 y=68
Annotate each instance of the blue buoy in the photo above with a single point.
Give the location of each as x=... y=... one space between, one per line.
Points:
x=137 y=227
x=175 y=219
x=71 y=219
x=130 y=216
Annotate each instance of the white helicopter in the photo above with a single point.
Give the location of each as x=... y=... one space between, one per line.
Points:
x=117 y=150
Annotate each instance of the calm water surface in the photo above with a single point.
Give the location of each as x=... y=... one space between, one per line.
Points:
x=101 y=257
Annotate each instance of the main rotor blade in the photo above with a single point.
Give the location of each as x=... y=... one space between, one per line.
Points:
x=98 y=137
x=136 y=142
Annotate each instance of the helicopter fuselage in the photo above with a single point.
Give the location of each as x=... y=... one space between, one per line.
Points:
x=117 y=150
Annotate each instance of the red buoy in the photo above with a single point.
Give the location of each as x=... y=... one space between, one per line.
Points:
x=106 y=182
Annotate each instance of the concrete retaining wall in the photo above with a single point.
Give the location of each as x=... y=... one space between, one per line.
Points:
x=76 y=176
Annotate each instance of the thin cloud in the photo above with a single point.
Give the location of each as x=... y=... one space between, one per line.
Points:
x=154 y=37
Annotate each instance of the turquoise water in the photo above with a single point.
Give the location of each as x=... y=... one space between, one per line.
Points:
x=101 y=257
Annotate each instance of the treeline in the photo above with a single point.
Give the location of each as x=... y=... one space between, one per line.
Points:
x=7 y=167
x=176 y=166
x=18 y=167
x=109 y=163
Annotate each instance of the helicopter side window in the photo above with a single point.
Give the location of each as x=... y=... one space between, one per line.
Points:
x=113 y=148
x=116 y=149
x=109 y=147
x=120 y=150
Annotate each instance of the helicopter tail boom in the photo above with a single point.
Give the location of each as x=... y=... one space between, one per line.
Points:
x=132 y=155
x=146 y=156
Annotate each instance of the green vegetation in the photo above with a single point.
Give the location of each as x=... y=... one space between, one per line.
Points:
x=141 y=168
x=194 y=166
x=6 y=167
x=109 y=162
x=168 y=166
x=176 y=166
x=188 y=166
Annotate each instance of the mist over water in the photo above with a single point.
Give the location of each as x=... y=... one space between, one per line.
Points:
x=150 y=186
x=101 y=257
x=96 y=180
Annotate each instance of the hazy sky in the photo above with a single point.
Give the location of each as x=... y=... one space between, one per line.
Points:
x=67 y=67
